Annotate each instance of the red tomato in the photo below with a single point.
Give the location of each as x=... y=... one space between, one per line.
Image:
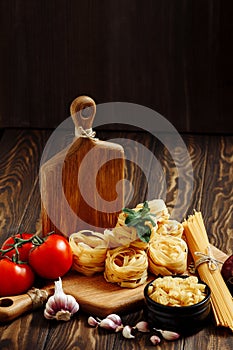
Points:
x=23 y=250
x=15 y=278
x=53 y=258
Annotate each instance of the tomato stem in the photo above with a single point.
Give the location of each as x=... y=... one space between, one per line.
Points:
x=15 y=259
x=19 y=242
x=37 y=240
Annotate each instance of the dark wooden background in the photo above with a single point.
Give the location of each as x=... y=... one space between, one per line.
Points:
x=174 y=56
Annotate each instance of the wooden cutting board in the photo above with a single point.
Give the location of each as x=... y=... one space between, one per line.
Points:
x=94 y=294
x=82 y=186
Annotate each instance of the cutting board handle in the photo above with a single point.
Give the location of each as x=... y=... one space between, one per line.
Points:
x=12 y=307
x=83 y=110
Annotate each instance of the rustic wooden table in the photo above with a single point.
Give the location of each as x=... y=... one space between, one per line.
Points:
x=212 y=158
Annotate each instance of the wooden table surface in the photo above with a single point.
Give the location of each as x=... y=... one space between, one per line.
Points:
x=212 y=159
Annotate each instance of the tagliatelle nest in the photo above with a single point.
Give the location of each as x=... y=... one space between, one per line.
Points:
x=126 y=266
x=124 y=257
x=89 y=252
x=169 y=227
x=167 y=255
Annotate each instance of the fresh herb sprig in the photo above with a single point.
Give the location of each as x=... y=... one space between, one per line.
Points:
x=139 y=219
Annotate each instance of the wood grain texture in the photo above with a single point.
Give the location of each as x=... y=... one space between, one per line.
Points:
x=183 y=197
x=212 y=163
x=19 y=164
x=217 y=200
x=172 y=56
x=60 y=184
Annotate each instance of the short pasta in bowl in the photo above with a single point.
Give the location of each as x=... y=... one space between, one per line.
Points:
x=177 y=303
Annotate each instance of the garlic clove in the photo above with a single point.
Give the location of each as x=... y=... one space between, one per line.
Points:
x=142 y=326
x=48 y=315
x=168 y=335
x=49 y=309
x=92 y=321
x=155 y=339
x=59 y=297
x=127 y=332
x=107 y=323
x=115 y=318
x=72 y=304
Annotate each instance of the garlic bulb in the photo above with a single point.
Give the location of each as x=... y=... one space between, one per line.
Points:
x=60 y=306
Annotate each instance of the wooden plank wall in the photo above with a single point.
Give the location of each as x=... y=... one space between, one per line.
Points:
x=172 y=56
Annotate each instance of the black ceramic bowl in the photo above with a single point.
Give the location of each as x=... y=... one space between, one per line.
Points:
x=185 y=320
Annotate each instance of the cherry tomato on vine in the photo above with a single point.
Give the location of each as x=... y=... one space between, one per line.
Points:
x=22 y=249
x=52 y=257
x=15 y=278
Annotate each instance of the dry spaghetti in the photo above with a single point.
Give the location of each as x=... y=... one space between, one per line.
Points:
x=209 y=272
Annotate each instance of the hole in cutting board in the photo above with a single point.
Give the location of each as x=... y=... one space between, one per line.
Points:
x=6 y=302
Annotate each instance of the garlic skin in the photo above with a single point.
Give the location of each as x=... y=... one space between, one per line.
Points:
x=155 y=339
x=168 y=335
x=127 y=332
x=142 y=326
x=60 y=306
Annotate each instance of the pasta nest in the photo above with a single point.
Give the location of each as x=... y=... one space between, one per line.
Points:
x=89 y=252
x=126 y=266
x=124 y=258
x=167 y=255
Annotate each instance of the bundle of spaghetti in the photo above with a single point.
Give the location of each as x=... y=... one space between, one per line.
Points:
x=167 y=255
x=208 y=269
x=169 y=227
x=89 y=251
x=126 y=266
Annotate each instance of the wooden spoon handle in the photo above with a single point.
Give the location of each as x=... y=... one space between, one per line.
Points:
x=12 y=307
x=83 y=110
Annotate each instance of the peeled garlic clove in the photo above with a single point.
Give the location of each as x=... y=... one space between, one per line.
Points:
x=168 y=335
x=142 y=326
x=115 y=318
x=60 y=306
x=155 y=339
x=127 y=332
x=92 y=321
